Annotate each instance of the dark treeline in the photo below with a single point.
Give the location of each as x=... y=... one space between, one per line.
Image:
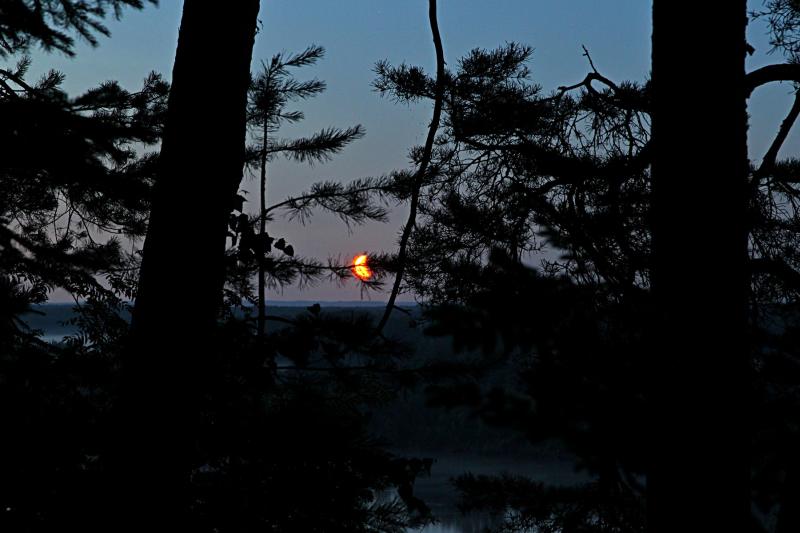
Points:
x=600 y=271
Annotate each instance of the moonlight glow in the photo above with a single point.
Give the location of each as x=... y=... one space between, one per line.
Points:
x=360 y=268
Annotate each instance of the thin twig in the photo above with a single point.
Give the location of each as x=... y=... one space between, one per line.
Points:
x=589 y=57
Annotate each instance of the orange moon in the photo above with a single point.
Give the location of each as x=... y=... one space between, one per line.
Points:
x=360 y=268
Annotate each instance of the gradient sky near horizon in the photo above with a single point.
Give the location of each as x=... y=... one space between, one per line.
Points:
x=358 y=33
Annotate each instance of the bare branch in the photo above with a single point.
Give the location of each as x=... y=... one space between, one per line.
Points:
x=772 y=154
x=771 y=73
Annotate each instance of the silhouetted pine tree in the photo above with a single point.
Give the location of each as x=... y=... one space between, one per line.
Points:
x=774 y=267
x=270 y=92
x=519 y=172
x=75 y=177
x=511 y=164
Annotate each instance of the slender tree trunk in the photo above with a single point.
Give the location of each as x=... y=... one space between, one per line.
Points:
x=419 y=176
x=698 y=477
x=180 y=288
x=262 y=281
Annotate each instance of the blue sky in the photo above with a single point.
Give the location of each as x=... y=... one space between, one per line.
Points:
x=356 y=34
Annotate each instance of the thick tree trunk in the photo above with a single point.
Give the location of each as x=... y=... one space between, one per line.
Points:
x=698 y=478
x=182 y=272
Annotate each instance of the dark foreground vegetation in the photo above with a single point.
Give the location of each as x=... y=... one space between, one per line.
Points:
x=597 y=265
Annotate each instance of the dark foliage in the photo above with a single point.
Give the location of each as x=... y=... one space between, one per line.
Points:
x=74 y=177
x=268 y=95
x=520 y=175
x=52 y=23
x=544 y=509
x=280 y=446
x=278 y=434
x=275 y=434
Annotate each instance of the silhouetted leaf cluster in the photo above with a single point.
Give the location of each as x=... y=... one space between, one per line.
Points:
x=72 y=177
x=783 y=19
x=49 y=23
x=562 y=179
x=285 y=447
x=531 y=506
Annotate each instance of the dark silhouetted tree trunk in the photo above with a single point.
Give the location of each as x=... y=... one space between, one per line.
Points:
x=699 y=471
x=262 y=229
x=182 y=272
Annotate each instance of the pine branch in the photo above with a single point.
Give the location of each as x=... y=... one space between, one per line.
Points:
x=47 y=22
x=291 y=89
x=309 y=56
x=319 y=147
x=352 y=202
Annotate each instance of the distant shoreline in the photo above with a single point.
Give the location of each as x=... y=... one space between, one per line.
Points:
x=287 y=303
x=53 y=319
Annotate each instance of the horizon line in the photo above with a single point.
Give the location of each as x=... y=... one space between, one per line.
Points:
x=298 y=303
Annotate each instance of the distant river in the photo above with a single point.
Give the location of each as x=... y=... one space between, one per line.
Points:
x=436 y=491
x=441 y=497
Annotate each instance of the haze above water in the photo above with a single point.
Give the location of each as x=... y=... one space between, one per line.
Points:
x=545 y=463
